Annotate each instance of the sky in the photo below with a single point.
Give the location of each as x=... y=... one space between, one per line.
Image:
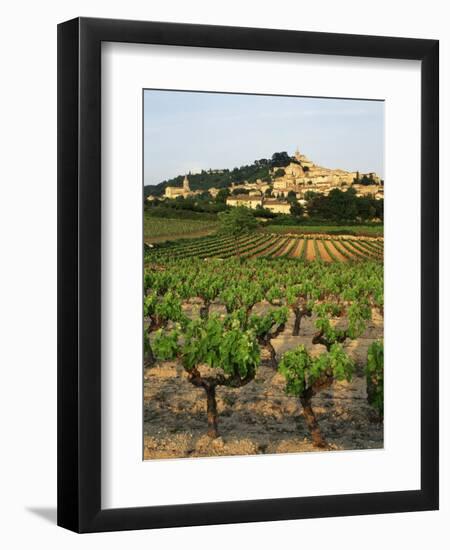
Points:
x=191 y=131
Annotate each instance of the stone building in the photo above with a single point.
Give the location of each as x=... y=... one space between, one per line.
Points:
x=213 y=191
x=276 y=206
x=174 y=192
x=248 y=201
x=303 y=175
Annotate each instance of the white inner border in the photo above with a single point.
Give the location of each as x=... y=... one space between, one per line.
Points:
x=129 y=481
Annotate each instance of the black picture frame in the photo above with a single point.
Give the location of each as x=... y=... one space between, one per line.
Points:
x=79 y=274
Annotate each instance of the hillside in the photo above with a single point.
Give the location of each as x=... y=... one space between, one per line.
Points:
x=222 y=178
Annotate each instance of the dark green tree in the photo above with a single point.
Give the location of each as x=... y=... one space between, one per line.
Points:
x=297 y=210
x=236 y=221
x=280 y=159
x=279 y=172
x=222 y=195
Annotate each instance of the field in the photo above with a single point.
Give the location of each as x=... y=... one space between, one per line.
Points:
x=361 y=230
x=162 y=229
x=325 y=248
x=261 y=344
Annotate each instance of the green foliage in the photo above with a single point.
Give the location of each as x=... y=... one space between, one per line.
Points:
x=211 y=342
x=358 y=314
x=280 y=159
x=236 y=221
x=220 y=179
x=200 y=211
x=166 y=308
x=263 y=324
x=375 y=376
x=208 y=287
x=366 y=179
x=239 y=353
x=177 y=225
x=240 y=191
x=297 y=209
x=241 y=295
x=230 y=343
x=302 y=370
x=343 y=206
x=165 y=345
x=310 y=226
x=222 y=195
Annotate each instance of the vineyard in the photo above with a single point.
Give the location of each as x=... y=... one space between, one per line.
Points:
x=248 y=349
x=375 y=230
x=324 y=248
x=160 y=229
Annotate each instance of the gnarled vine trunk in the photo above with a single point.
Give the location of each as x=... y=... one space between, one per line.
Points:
x=300 y=311
x=209 y=385
x=297 y=321
x=311 y=422
x=149 y=357
x=266 y=341
x=273 y=354
x=211 y=411
x=204 y=310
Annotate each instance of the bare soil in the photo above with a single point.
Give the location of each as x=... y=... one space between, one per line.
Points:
x=336 y=252
x=323 y=253
x=287 y=247
x=276 y=243
x=296 y=252
x=310 y=252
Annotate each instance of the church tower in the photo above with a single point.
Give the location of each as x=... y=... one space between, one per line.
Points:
x=297 y=154
x=186 y=184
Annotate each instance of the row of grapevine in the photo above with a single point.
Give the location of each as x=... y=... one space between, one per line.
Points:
x=321 y=248
x=340 y=297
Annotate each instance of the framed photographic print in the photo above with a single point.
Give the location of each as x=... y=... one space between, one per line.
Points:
x=248 y=275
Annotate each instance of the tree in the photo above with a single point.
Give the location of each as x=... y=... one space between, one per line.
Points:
x=280 y=159
x=240 y=191
x=279 y=173
x=213 y=355
x=366 y=208
x=291 y=197
x=306 y=375
x=236 y=221
x=310 y=195
x=222 y=195
x=297 y=210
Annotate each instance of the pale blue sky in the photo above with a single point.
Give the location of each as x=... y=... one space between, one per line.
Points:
x=186 y=131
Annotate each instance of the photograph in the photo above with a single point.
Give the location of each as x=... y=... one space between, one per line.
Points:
x=263 y=274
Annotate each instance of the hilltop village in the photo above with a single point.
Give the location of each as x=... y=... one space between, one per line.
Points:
x=293 y=177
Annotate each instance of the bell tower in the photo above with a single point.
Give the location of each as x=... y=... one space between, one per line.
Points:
x=186 y=184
